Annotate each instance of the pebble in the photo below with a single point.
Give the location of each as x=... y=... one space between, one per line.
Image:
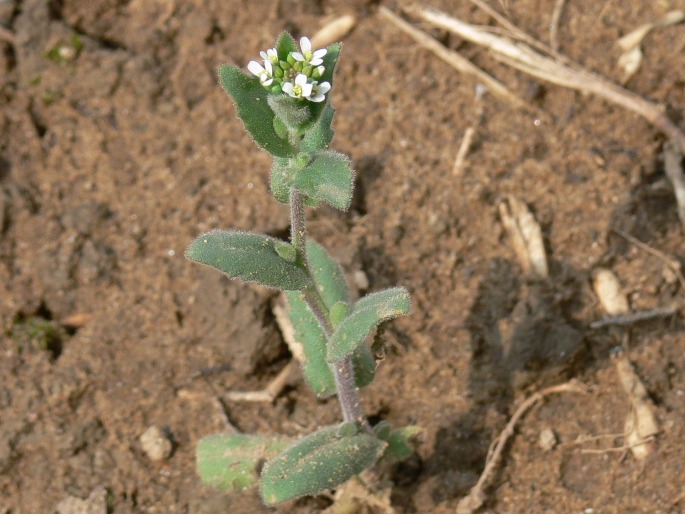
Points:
x=156 y=444
x=548 y=439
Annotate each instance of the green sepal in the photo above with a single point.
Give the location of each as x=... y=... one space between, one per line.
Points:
x=231 y=462
x=328 y=177
x=250 y=99
x=248 y=256
x=319 y=462
x=366 y=314
x=280 y=128
x=320 y=134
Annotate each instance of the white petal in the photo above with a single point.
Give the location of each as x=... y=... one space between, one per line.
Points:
x=264 y=55
x=269 y=69
x=318 y=98
x=271 y=52
x=287 y=87
x=255 y=68
x=315 y=62
x=323 y=88
x=305 y=44
x=265 y=81
x=319 y=53
x=307 y=90
x=298 y=56
x=301 y=80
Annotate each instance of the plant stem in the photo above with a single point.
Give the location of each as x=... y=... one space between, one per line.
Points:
x=343 y=370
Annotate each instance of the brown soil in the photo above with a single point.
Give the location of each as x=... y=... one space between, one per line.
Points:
x=115 y=156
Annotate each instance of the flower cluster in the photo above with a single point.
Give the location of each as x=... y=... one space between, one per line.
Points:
x=297 y=76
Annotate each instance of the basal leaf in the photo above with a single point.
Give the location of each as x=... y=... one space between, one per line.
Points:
x=319 y=462
x=366 y=314
x=250 y=257
x=231 y=462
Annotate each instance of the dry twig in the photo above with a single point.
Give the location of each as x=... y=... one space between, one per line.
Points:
x=454 y=59
x=270 y=392
x=554 y=25
x=524 y=53
x=476 y=497
x=669 y=261
x=463 y=150
x=635 y=317
x=674 y=171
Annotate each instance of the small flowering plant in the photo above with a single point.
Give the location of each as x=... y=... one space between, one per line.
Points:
x=284 y=103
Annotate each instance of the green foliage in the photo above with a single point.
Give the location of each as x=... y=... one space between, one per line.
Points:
x=250 y=257
x=327 y=274
x=320 y=134
x=232 y=462
x=365 y=315
x=319 y=462
x=290 y=111
x=250 y=99
x=280 y=108
x=400 y=440
x=316 y=370
x=328 y=177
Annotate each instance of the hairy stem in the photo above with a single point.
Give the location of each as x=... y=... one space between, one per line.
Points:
x=343 y=371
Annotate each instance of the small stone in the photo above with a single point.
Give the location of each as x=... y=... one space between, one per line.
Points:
x=156 y=444
x=548 y=439
x=96 y=503
x=361 y=280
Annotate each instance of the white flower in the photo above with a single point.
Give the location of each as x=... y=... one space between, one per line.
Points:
x=265 y=73
x=319 y=92
x=269 y=55
x=300 y=89
x=313 y=58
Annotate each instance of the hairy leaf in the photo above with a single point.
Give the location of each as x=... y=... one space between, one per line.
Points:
x=250 y=99
x=328 y=177
x=248 y=256
x=320 y=134
x=231 y=462
x=319 y=462
x=366 y=314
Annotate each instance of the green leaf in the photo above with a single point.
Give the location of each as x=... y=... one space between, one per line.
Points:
x=250 y=257
x=320 y=134
x=327 y=274
x=328 y=177
x=317 y=372
x=401 y=442
x=250 y=99
x=231 y=462
x=366 y=314
x=319 y=462
x=285 y=45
